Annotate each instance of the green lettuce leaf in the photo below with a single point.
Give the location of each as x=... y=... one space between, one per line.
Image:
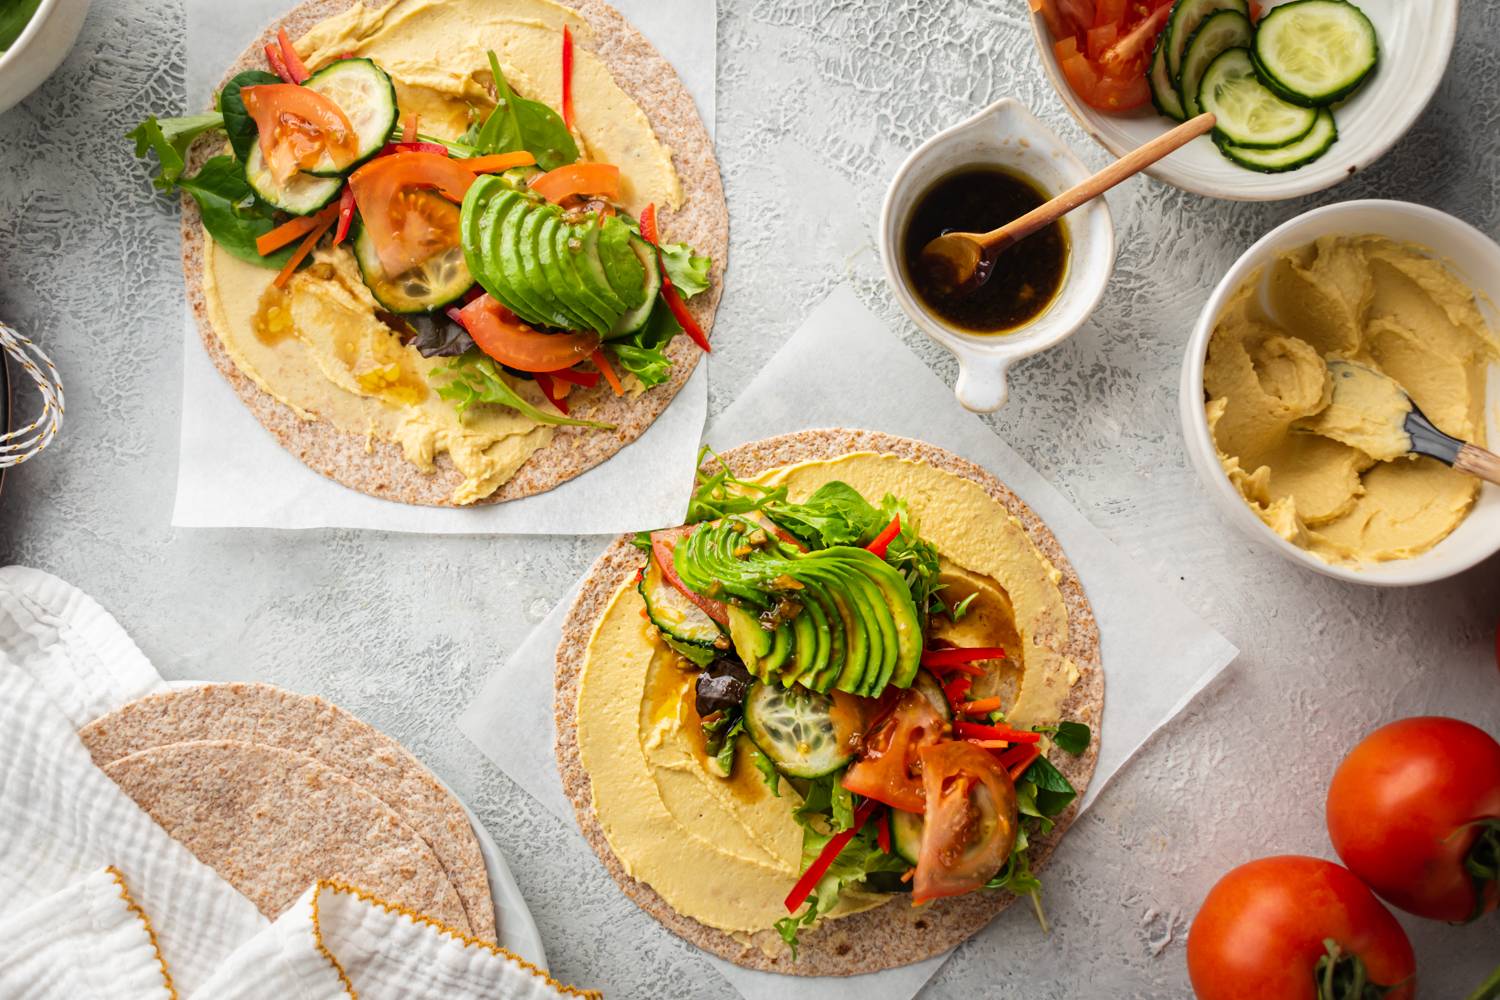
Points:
x=643 y=353
x=476 y=379
x=169 y=139
x=689 y=273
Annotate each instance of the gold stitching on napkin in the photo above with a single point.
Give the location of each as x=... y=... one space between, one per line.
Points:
x=323 y=949
x=466 y=940
x=140 y=914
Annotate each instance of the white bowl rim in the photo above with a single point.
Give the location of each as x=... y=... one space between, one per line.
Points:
x=1200 y=444
x=32 y=29
x=1295 y=184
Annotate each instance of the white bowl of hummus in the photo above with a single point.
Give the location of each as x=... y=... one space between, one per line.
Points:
x=1399 y=287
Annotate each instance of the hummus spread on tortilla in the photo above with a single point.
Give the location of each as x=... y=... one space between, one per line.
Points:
x=725 y=851
x=1335 y=480
x=317 y=346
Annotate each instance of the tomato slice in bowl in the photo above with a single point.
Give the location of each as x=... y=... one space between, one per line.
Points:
x=890 y=768
x=969 y=824
x=299 y=129
x=409 y=202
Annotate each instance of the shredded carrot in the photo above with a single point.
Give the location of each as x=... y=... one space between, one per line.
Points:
x=409 y=128
x=989 y=744
x=496 y=162
x=287 y=232
x=323 y=222
x=981 y=707
x=602 y=363
x=906 y=876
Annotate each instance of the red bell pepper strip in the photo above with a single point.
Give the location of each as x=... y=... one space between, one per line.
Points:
x=883 y=832
x=887 y=535
x=346 y=215
x=550 y=391
x=955 y=689
x=602 y=363
x=979 y=731
x=668 y=292
x=586 y=380
x=413 y=147
x=959 y=658
x=831 y=850
x=1017 y=759
x=567 y=78
x=278 y=64
x=295 y=67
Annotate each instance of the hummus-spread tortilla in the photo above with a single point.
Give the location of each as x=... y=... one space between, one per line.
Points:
x=1336 y=480
x=317 y=347
x=724 y=853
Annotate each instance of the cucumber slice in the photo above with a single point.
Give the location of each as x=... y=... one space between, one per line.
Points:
x=1184 y=20
x=1163 y=91
x=1314 y=52
x=302 y=194
x=1248 y=113
x=438 y=281
x=670 y=610
x=906 y=834
x=636 y=318
x=366 y=96
x=1314 y=144
x=794 y=728
x=1221 y=30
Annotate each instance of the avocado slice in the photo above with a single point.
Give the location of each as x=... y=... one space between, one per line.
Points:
x=751 y=641
x=881 y=640
x=857 y=630
x=584 y=245
x=904 y=619
x=561 y=285
x=776 y=660
x=623 y=268
x=574 y=290
x=513 y=209
x=528 y=251
x=569 y=249
x=481 y=193
x=637 y=317
x=805 y=636
x=480 y=233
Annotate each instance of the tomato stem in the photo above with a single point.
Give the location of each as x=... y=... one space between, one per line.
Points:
x=1483 y=864
x=1341 y=976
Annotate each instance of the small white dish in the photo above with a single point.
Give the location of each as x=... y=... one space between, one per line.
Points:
x=40 y=48
x=1471 y=255
x=1416 y=39
x=1006 y=135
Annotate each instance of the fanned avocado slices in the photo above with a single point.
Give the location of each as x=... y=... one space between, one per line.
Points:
x=839 y=617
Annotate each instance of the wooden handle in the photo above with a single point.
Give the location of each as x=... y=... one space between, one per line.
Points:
x=1126 y=166
x=1477 y=462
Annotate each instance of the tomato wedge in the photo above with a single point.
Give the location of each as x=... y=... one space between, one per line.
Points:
x=663 y=543
x=1104 y=47
x=408 y=222
x=891 y=768
x=969 y=825
x=579 y=178
x=297 y=127
x=498 y=333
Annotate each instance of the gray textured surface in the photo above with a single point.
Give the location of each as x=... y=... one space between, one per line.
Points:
x=818 y=103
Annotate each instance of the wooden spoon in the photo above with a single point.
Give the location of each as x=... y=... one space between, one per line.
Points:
x=961 y=262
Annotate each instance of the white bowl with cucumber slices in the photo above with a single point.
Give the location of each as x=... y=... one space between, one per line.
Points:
x=1310 y=93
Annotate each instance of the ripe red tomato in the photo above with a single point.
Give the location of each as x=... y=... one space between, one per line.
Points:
x=1261 y=931
x=1400 y=808
x=970 y=823
x=890 y=768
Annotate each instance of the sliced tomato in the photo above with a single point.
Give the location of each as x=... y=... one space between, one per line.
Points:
x=970 y=822
x=409 y=223
x=579 y=178
x=1097 y=88
x=297 y=126
x=498 y=333
x=1104 y=47
x=890 y=769
x=663 y=543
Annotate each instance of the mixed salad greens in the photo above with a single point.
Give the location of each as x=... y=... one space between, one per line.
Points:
x=1271 y=79
x=501 y=250
x=809 y=626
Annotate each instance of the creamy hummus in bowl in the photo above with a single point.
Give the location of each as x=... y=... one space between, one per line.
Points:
x=1399 y=288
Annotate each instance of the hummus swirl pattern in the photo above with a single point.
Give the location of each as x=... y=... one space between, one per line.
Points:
x=319 y=347
x=1329 y=478
x=725 y=852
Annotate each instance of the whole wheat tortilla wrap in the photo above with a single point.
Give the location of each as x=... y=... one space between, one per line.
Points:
x=894 y=934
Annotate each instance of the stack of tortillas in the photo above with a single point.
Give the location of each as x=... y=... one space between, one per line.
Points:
x=276 y=791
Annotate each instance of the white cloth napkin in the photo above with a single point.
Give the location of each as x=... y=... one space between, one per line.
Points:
x=258 y=484
x=72 y=844
x=1157 y=653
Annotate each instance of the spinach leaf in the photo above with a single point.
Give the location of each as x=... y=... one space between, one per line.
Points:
x=477 y=380
x=835 y=514
x=169 y=139
x=1054 y=792
x=689 y=273
x=232 y=214
x=237 y=121
x=1071 y=737
x=518 y=123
